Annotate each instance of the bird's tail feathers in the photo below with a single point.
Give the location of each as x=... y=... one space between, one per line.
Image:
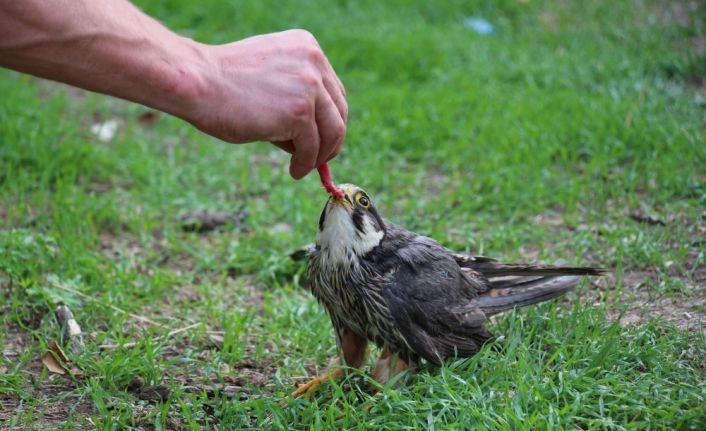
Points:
x=516 y=285
x=525 y=291
x=492 y=268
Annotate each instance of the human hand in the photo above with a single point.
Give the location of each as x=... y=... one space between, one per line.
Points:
x=277 y=87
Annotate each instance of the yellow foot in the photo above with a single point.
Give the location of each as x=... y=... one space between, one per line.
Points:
x=307 y=389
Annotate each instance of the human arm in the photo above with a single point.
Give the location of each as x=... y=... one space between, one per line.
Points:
x=278 y=87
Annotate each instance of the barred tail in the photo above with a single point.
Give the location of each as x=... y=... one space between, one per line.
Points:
x=517 y=285
x=526 y=293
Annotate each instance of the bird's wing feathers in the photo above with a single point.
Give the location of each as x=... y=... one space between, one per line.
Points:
x=431 y=304
x=439 y=300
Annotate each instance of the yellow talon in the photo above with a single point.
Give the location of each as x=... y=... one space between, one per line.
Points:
x=307 y=389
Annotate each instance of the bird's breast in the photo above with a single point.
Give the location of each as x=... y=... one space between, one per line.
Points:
x=352 y=296
x=337 y=286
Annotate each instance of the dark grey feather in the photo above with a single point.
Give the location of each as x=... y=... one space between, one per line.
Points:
x=532 y=292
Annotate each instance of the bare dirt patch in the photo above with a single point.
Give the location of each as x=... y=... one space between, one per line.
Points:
x=47 y=399
x=51 y=404
x=247 y=373
x=683 y=12
x=14 y=341
x=639 y=302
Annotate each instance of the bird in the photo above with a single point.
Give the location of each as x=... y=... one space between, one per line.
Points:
x=412 y=297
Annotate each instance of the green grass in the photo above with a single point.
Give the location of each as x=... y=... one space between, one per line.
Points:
x=536 y=142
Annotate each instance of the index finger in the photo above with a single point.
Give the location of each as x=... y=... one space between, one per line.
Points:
x=306 y=151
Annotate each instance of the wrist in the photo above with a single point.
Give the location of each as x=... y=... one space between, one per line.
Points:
x=180 y=76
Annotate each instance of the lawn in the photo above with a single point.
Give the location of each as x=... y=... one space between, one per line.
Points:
x=574 y=130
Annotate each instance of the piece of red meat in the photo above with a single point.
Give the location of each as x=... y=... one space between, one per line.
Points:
x=327 y=181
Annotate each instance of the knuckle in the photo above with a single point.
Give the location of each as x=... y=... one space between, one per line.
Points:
x=300 y=109
x=300 y=32
x=310 y=81
x=339 y=132
x=315 y=55
x=304 y=37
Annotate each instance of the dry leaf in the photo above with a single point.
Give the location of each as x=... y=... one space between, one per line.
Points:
x=52 y=364
x=57 y=362
x=52 y=358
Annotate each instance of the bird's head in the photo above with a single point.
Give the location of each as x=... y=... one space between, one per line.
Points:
x=350 y=224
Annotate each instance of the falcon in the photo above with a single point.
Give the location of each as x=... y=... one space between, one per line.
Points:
x=409 y=295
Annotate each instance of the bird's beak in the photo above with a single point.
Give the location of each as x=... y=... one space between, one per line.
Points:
x=344 y=201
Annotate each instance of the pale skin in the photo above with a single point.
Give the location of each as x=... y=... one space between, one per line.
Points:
x=277 y=87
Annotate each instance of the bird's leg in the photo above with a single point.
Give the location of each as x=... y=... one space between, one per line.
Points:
x=388 y=366
x=354 y=350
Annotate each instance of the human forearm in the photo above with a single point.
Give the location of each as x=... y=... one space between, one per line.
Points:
x=123 y=53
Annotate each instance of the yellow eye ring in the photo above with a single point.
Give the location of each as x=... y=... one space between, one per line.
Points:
x=362 y=200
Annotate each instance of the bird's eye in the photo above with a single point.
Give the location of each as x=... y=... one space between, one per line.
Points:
x=362 y=200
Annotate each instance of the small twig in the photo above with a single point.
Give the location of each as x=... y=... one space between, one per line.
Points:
x=71 y=330
x=112 y=307
x=117 y=346
x=180 y=330
x=134 y=343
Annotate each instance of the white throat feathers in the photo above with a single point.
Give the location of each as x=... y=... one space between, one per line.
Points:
x=339 y=239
